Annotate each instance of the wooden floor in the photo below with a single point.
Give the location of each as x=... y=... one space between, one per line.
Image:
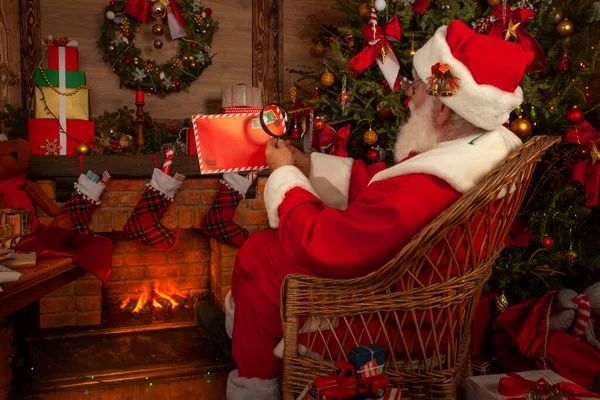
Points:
x=192 y=389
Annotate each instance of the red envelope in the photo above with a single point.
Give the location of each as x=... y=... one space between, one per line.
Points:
x=229 y=143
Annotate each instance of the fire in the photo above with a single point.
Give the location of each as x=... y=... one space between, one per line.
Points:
x=141 y=302
x=156 y=304
x=166 y=296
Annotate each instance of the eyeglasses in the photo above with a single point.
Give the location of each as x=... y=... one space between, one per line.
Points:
x=409 y=86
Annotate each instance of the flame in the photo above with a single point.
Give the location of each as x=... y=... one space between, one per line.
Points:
x=141 y=302
x=125 y=302
x=166 y=296
x=156 y=304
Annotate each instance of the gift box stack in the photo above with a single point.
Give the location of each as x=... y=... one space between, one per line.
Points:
x=62 y=103
x=235 y=99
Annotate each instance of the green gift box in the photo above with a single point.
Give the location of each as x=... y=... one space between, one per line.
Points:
x=74 y=79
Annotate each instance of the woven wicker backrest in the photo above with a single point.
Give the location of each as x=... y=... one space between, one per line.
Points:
x=419 y=306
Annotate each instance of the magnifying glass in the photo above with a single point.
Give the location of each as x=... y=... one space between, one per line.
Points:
x=275 y=121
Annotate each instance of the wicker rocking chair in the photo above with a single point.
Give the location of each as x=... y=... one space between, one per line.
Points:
x=419 y=306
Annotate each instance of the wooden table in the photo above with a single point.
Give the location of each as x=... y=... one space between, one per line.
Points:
x=48 y=275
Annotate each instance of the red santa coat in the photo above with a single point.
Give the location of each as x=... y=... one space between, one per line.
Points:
x=348 y=219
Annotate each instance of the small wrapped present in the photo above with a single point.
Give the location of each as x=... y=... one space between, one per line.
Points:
x=241 y=96
x=64 y=57
x=369 y=360
x=481 y=365
x=507 y=386
x=47 y=138
x=51 y=103
x=51 y=77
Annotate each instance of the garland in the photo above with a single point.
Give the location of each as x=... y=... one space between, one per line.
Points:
x=117 y=42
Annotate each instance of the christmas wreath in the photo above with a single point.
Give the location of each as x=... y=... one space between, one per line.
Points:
x=188 y=21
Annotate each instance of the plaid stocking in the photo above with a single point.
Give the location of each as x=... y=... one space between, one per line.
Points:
x=85 y=198
x=144 y=223
x=218 y=222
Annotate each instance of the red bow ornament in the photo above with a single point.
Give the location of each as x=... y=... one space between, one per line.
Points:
x=378 y=40
x=515 y=385
x=140 y=9
x=586 y=171
x=336 y=139
x=507 y=22
x=175 y=21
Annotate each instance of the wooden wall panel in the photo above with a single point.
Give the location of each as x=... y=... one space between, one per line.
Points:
x=232 y=64
x=10 y=60
x=298 y=31
x=31 y=47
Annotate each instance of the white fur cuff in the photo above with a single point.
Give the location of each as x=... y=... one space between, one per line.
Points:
x=281 y=181
x=330 y=177
x=164 y=183
x=89 y=188
x=229 y=312
x=239 y=388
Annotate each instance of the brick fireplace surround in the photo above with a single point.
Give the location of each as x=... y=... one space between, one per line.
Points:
x=195 y=265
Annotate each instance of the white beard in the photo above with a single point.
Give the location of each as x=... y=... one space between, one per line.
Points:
x=418 y=134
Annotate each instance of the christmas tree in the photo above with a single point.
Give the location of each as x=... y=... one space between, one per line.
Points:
x=555 y=240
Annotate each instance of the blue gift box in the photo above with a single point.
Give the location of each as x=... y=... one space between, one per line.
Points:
x=359 y=356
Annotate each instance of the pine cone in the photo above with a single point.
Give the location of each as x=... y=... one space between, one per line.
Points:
x=96 y=151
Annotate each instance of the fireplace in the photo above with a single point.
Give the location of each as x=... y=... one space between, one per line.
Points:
x=149 y=286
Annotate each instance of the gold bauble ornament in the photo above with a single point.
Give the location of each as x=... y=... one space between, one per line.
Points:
x=319 y=49
x=493 y=3
x=565 y=28
x=370 y=137
x=412 y=52
x=82 y=149
x=158 y=44
x=364 y=10
x=158 y=29
x=501 y=304
x=555 y=16
x=521 y=127
x=193 y=65
x=136 y=61
x=327 y=79
x=158 y=10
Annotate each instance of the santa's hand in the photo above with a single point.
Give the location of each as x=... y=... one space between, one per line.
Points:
x=278 y=154
x=301 y=160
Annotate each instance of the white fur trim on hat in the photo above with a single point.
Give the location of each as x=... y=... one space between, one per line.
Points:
x=239 y=388
x=484 y=106
x=237 y=182
x=89 y=188
x=229 y=313
x=164 y=183
x=281 y=181
x=330 y=178
x=462 y=163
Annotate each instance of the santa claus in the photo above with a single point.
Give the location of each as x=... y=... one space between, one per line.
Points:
x=340 y=218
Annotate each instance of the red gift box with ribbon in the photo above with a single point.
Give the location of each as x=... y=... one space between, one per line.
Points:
x=69 y=54
x=46 y=138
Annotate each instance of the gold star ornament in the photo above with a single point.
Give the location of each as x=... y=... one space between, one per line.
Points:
x=512 y=30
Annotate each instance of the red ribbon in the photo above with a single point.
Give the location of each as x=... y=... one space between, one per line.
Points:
x=527 y=42
x=584 y=171
x=515 y=385
x=59 y=41
x=391 y=31
x=176 y=13
x=138 y=9
x=337 y=140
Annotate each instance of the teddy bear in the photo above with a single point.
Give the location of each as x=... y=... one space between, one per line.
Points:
x=577 y=314
x=15 y=190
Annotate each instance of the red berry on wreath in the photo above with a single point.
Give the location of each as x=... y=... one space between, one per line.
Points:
x=208 y=11
x=193 y=44
x=127 y=61
x=112 y=3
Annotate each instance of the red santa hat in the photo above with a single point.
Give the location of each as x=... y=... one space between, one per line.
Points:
x=487 y=71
